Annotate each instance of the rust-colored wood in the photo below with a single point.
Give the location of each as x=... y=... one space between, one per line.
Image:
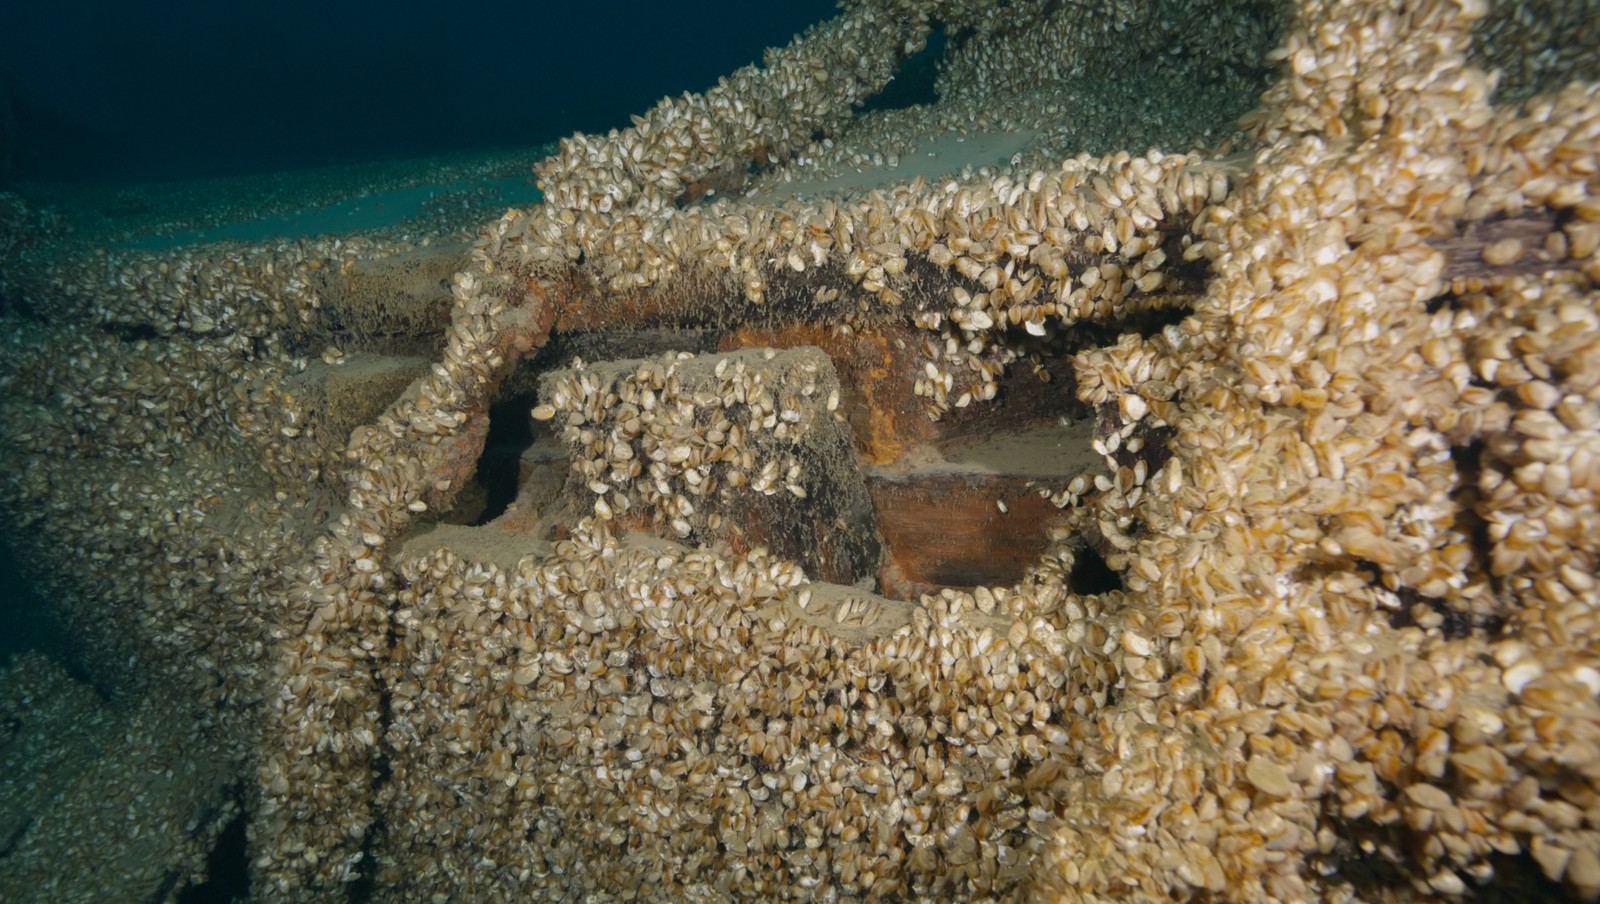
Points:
x=876 y=375
x=580 y=304
x=945 y=528
x=878 y=371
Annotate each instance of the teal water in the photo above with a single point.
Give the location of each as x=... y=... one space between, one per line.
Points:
x=374 y=210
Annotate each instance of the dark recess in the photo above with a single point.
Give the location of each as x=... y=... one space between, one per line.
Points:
x=1090 y=573
x=914 y=82
x=227 y=868
x=510 y=435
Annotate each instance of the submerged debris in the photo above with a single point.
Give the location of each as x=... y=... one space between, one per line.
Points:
x=1321 y=627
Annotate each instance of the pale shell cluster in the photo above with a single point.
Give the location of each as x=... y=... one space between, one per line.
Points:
x=679 y=441
x=1350 y=418
x=658 y=702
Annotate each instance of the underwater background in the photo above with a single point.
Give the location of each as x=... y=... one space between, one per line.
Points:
x=109 y=91
x=893 y=450
x=108 y=97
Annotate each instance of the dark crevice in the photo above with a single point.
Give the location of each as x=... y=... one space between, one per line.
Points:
x=1356 y=858
x=960 y=39
x=361 y=889
x=133 y=332
x=1155 y=447
x=1468 y=460
x=914 y=83
x=1370 y=858
x=227 y=867
x=1147 y=323
x=13 y=304
x=1090 y=574
x=494 y=483
x=1455 y=625
x=1519 y=880
x=1372 y=574
x=1443 y=300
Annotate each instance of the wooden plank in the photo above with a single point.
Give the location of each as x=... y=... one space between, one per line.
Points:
x=972 y=513
x=947 y=528
x=878 y=370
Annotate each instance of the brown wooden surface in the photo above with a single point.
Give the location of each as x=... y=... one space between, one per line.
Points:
x=945 y=528
x=878 y=371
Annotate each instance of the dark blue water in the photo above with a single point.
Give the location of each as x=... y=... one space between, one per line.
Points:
x=125 y=91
